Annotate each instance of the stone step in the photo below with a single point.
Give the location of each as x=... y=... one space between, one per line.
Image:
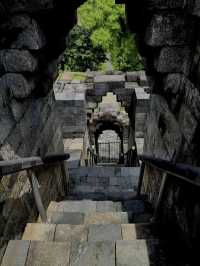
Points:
x=76 y=218
x=91 y=232
x=120 y=195
x=85 y=206
x=104 y=179
x=105 y=253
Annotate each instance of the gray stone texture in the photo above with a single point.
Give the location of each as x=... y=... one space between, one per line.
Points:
x=168 y=30
x=106 y=232
x=17 y=61
x=90 y=254
x=30 y=35
x=174 y=60
x=104 y=180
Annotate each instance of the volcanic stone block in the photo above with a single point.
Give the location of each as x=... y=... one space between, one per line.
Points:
x=40 y=232
x=29 y=35
x=174 y=60
x=105 y=206
x=140 y=253
x=188 y=123
x=77 y=206
x=132 y=76
x=18 y=109
x=109 y=82
x=17 y=84
x=163 y=134
x=66 y=232
x=90 y=254
x=31 y=6
x=106 y=232
x=196 y=8
x=169 y=4
x=106 y=218
x=178 y=87
x=170 y=29
x=48 y=253
x=16 y=253
x=73 y=218
x=17 y=61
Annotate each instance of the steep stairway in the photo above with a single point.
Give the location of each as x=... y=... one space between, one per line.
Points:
x=89 y=232
x=113 y=183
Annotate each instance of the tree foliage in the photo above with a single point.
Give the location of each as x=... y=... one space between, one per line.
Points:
x=81 y=54
x=102 y=24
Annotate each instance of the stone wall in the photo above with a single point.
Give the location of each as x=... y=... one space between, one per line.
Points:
x=31 y=44
x=36 y=133
x=167 y=34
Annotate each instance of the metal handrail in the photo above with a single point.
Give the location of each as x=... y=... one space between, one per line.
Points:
x=185 y=172
x=92 y=158
x=14 y=166
x=131 y=158
x=28 y=164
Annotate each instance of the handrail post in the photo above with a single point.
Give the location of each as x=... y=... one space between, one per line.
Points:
x=141 y=177
x=36 y=193
x=161 y=191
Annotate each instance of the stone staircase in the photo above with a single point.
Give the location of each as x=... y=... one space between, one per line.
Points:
x=91 y=232
x=104 y=183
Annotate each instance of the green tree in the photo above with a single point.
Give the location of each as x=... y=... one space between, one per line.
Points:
x=106 y=22
x=81 y=54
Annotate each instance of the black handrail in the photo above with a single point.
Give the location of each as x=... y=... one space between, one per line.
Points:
x=92 y=157
x=185 y=172
x=14 y=166
x=131 y=158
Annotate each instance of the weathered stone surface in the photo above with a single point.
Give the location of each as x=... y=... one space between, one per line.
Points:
x=188 y=123
x=139 y=253
x=17 y=84
x=132 y=76
x=48 y=253
x=138 y=231
x=105 y=206
x=178 y=88
x=18 y=109
x=143 y=78
x=168 y=30
x=174 y=60
x=17 y=61
x=106 y=218
x=109 y=78
x=66 y=232
x=29 y=36
x=196 y=9
x=16 y=253
x=77 y=206
x=35 y=5
x=106 y=232
x=90 y=254
x=73 y=218
x=170 y=4
x=40 y=232
x=163 y=135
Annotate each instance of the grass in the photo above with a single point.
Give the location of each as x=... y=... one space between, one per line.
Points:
x=72 y=76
